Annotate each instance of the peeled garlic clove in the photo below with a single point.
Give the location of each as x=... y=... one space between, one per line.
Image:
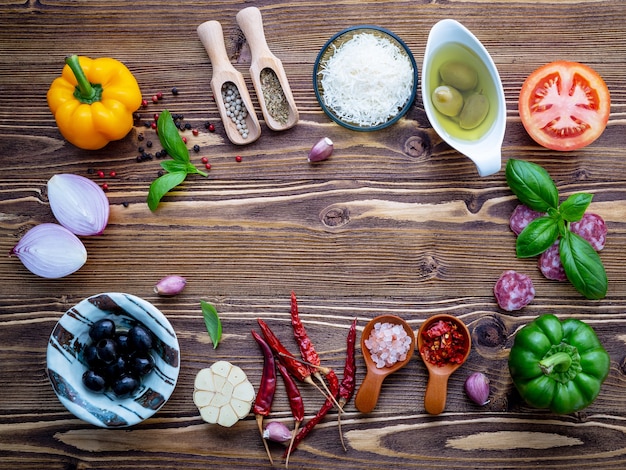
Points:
x=321 y=150
x=223 y=394
x=277 y=432
x=170 y=285
x=477 y=388
x=79 y=204
x=50 y=251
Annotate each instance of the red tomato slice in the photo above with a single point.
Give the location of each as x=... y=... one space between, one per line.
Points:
x=564 y=105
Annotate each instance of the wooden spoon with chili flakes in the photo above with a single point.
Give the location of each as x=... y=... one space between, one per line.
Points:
x=267 y=74
x=442 y=356
x=225 y=75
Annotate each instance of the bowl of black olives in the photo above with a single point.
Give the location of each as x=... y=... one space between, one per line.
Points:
x=113 y=360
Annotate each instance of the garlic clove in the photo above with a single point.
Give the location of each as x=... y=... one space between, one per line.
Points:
x=79 y=204
x=477 y=388
x=321 y=150
x=277 y=432
x=50 y=251
x=170 y=286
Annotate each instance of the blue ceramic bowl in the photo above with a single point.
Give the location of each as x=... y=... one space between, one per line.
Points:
x=330 y=49
x=66 y=365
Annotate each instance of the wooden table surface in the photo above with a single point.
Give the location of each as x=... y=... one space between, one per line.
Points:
x=395 y=222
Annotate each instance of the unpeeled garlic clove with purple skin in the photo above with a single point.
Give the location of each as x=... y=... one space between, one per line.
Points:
x=277 y=432
x=50 y=251
x=170 y=286
x=321 y=150
x=79 y=204
x=477 y=388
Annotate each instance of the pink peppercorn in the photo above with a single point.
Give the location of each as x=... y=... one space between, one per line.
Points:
x=211 y=128
x=185 y=139
x=101 y=174
x=105 y=187
x=144 y=103
x=155 y=99
x=238 y=158
x=194 y=131
x=204 y=160
x=207 y=166
x=159 y=95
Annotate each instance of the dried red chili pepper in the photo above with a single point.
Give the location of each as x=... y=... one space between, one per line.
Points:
x=443 y=343
x=267 y=388
x=295 y=367
x=295 y=403
x=333 y=385
x=348 y=381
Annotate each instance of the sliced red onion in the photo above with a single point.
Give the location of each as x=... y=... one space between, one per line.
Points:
x=79 y=204
x=50 y=251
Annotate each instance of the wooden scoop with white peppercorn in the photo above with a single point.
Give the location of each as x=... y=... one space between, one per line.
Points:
x=244 y=128
x=267 y=74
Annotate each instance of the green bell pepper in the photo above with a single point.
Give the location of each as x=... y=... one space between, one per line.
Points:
x=558 y=365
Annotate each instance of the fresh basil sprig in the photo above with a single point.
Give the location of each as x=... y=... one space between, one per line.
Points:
x=178 y=168
x=533 y=187
x=212 y=322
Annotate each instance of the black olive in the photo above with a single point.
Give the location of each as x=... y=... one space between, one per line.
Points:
x=94 y=382
x=115 y=369
x=123 y=346
x=106 y=350
x=125 y=386
x=90 y=356
x=103 y=328
x=141 y=365
x=140 y=338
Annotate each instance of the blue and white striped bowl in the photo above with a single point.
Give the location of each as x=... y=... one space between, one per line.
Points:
x=66 y=365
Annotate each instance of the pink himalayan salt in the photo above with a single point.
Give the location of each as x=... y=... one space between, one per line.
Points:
x=388 y=343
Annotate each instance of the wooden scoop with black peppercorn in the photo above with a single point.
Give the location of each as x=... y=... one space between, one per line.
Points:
x=229 y=88
x=267 y=74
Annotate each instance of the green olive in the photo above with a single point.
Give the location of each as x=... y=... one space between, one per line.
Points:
x=474 y=112
x=447 y=100
x=460 y=76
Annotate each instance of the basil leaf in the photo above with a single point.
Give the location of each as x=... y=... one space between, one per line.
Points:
x=172 y=166
x=583 y=266
x=212 y=322
x=532 y=185
x=537 y=237
x=574 y=207
x=191 y=169
x=162 y=185
x=170 y=138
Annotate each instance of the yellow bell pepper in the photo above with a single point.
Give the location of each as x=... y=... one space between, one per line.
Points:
x=93 y=101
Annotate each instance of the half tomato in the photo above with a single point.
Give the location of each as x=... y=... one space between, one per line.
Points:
x=564 y=105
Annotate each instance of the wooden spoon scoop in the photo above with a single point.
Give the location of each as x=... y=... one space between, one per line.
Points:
x=368 y=393
x=437 y=387
x=284 y=114
x=212 y=38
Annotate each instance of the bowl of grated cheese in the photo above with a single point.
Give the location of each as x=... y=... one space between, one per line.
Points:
x=365 y=78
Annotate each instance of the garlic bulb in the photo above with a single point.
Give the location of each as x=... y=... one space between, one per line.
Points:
x=223 y=394
x=50 y=251
x=79 y=204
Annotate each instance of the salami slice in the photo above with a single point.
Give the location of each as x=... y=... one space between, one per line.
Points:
x=522 y=215
x=513 y=290
x=592 y=228
x=550 y=264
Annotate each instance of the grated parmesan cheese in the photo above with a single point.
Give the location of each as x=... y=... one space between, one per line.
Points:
x=367 y=80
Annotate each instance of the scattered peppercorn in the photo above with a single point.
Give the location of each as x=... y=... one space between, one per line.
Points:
x=140 y=137
x=153 y=125
x=125 y=204
x=196 y=148
x=140 y=149
x=155 y=99
x=159 y=95
x=185 y=139
x=204 y=160
x=194 y=131
x=105 y=187
x=144 y=103
x=174 y=91
x=211 y=128
x=156 y=116
x=149 y=144
x=136 y=116
x=100 y=174
x=187 y=126
x=238 y=158
x=112 y=174
x=208 y=166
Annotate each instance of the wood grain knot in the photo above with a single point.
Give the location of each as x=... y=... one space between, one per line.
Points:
x=418 y=145
x=335 y=216
x=490 y=333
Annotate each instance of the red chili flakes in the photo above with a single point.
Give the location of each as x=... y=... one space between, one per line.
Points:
x=443 y=343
